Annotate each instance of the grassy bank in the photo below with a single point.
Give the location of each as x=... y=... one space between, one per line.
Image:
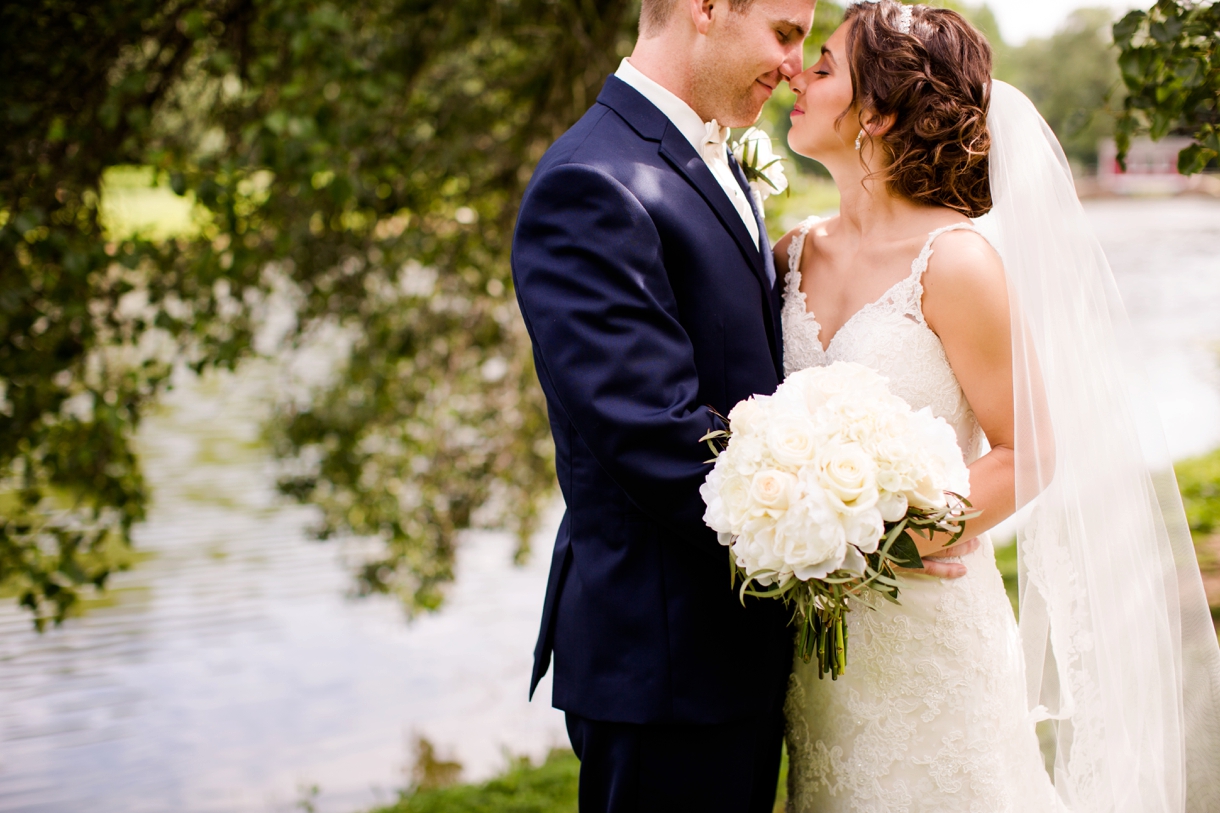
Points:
x=523 y=788
x=1199 y=482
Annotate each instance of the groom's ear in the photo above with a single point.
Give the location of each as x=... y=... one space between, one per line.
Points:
x=701 y=12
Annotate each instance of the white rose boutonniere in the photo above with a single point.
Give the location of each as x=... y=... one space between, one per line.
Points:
x=763 y=168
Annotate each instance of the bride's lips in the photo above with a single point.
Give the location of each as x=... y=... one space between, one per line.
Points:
x=796 y=111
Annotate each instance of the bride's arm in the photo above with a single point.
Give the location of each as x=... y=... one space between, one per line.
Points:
x=966 y=304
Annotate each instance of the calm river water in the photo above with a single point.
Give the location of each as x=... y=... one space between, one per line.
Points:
x=230 y=671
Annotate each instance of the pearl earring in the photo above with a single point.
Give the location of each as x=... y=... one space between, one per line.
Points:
x=858 y=139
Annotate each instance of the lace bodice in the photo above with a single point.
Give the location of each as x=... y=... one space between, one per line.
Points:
x=930 y=716
x=889 y=335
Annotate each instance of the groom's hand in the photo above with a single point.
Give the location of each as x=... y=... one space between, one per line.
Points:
x=932 y=565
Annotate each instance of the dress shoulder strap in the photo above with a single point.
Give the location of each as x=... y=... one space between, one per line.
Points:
x=920 y=264
x=796 y=248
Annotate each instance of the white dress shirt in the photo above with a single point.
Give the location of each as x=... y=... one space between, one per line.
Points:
x=708 y=138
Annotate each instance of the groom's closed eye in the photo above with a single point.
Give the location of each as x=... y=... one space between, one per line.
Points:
x=788 y=31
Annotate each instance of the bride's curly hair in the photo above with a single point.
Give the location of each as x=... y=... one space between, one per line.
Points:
x=936 y=83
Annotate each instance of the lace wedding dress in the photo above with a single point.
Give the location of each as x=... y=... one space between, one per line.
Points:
x=931 y=713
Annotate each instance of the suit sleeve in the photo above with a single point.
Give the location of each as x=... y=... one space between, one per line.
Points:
x=593 y=288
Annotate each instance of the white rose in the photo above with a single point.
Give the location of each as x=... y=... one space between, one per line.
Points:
x=791 y=441
x=746 y=417
x=892 y=505
x=746 y=454
x=849 y=477
x=853 y=561
x=948 y=467
x=735 y=501
x=801 y=390
x=757 y=551
x=840 y=385
x=712 y=492
x=894 y=423
x=811 y=534
x=864 y=530
x=772 y=491
x=927 y=494
x=896 y=464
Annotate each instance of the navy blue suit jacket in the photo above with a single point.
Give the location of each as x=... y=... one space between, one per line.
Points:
x=646 y=300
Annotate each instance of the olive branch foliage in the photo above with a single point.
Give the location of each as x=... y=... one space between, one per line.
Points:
x=361 y=163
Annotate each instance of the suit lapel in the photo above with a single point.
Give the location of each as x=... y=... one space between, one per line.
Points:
x=653 y=125
x=679 y=152
x=770 y=283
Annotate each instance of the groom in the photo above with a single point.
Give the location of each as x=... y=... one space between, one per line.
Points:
x=646 y=281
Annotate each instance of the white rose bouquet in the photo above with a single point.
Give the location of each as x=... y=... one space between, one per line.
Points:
x=819 y=489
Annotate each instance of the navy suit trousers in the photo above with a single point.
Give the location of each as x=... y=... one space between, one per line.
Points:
x=658 y=768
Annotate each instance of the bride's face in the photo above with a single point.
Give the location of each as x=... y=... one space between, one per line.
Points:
x=820 y=130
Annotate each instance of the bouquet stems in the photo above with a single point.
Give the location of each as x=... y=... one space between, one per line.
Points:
x=823 y=632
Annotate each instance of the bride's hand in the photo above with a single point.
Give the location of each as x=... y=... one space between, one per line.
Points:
x=932 y=565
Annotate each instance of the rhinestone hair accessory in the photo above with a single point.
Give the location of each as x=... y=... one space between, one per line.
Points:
x=904 y=20
x=904 y=16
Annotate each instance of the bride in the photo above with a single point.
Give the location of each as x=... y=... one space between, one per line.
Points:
x=1016 y=339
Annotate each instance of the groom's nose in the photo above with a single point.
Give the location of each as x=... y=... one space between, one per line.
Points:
x=793 y=63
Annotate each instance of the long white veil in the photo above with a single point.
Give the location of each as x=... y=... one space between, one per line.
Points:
x=1119 y=646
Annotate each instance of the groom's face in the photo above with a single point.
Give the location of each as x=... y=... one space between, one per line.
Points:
x=743 y=56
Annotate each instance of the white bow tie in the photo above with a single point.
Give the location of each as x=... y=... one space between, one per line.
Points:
x=714 y=140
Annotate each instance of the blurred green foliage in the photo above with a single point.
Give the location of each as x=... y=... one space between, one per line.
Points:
x=359 y=164
x=1199 y=481
x=1170 y=61
x=1072 y=77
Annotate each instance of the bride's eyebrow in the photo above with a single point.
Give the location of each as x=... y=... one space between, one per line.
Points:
x=827 y=53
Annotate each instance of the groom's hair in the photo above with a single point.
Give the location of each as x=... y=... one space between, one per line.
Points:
x=655 y=14
x=935 y=80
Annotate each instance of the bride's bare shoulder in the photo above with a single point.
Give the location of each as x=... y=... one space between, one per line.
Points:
x=962 y=257
x=780 y=249
x=964 y=275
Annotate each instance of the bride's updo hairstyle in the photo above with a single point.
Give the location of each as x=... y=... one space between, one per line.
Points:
x=936 y=82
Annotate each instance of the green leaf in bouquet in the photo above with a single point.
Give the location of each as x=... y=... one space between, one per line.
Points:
x=904 y=552
x=889 y=541
x=881 y=578
x=777 y=591
x=840 y=577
